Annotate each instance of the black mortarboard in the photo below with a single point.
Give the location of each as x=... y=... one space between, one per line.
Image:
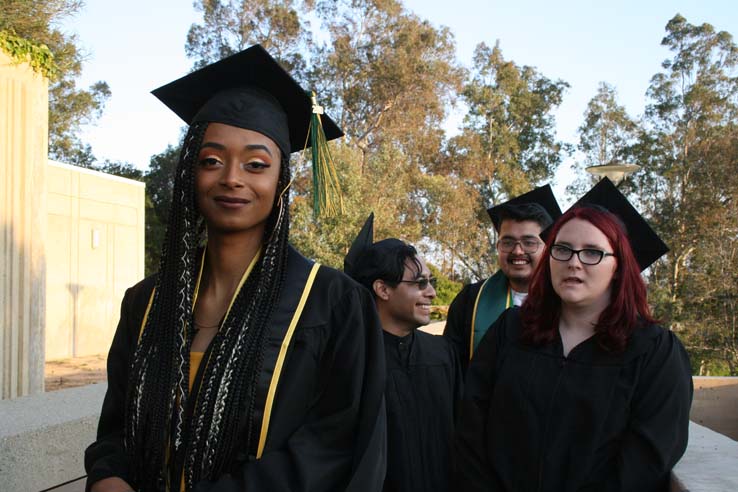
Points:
x=363 y=241
x=365 y=258
x=542 y=197
x=249 y=90
x=646 y=244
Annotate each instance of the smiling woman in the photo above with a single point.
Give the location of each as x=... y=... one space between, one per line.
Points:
x=580 y=384
x=236 y=179
x=241 y=365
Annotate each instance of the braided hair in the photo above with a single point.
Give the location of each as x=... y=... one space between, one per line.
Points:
x=158 y=389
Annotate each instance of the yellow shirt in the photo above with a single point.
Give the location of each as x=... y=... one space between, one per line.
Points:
x=195 y=360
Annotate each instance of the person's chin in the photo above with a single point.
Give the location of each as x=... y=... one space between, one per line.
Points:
x=571 y=299
x=520 y=274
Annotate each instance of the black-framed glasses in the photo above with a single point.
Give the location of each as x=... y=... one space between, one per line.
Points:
x=529 y=244
x=422 y=282
x=587 y=256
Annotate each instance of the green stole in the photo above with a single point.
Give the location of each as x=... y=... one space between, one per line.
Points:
x=493 y=298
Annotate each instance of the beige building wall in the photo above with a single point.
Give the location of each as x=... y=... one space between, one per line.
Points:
x=95 y=251
x=24 y=129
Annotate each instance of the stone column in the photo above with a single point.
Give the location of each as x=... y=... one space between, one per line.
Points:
x=24 y=128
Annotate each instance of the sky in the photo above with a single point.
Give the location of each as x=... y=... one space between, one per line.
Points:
x=137 y=46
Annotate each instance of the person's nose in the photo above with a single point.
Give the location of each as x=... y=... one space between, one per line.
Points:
x=574 y=261
x=518 y=249
x=232 y=175
x=430 y=291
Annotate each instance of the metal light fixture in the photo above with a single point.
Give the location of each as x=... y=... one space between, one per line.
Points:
x=615 y=171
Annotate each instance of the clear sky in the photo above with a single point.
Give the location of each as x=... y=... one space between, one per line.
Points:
x=136 y=46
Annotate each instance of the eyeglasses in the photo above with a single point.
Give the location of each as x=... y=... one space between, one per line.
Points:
x=587 y=256
x=529 y=245
x=422 y=282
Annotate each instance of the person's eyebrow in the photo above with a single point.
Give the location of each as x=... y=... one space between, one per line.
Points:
x=586 y=246
x=259 y=147
x=527 y=236
x=214 y=145
x=219 y=146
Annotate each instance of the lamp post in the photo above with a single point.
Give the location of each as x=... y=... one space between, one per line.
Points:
x=615 y=171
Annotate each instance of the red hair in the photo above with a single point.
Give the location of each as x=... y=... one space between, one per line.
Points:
x=628 y=306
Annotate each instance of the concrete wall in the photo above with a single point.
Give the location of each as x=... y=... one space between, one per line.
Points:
x=95 y=251
x=710 y=463
x=24 y=116
x=43 y=437
x=715 y=404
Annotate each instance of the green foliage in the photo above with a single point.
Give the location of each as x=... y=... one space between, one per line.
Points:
x=446 y=289
x=159 y=184
x=122 y=169
x=230 y=26
x=507 y=146
x=39 y=57
x=690 y=147
x=388 y=76
x=69 y=106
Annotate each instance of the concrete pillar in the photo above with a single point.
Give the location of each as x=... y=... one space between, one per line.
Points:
x=24 y=117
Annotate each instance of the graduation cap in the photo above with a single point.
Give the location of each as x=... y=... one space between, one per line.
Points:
x=362 y=263
x=251 y=90
x=363 y=242
x=646 y=244
x=542 y=197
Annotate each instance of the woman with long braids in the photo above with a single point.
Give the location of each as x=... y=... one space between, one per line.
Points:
x=579 y=389
x=241 y=365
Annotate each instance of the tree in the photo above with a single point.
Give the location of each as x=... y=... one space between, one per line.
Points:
x=159 y=185
x=689 y=149
x=388 y=75
x=606 y=135
x=506 y=147
x=69 y=106
x=120 y=168
x=231 y=26
x=385 y=189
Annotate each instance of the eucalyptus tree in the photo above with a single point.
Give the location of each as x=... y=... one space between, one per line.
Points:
x=506 y=147
x=607 y=134
x=689 y=149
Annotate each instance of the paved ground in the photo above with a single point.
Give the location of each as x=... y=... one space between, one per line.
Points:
x=79 y=371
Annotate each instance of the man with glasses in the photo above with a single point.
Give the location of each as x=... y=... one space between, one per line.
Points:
x=423 y=370
x=519 y=223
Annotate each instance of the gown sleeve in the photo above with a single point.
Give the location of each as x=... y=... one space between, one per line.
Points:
x=106 y=457
x=341 y=444
x=657 y=432
x=457 y=329
x=471 y=469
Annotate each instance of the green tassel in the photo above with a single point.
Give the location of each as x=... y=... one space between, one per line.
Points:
x=327 y=199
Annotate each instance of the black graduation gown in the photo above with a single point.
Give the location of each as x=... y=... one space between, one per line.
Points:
x=534 y=420
x=328 y=421
x=423 y=384
x=459 y=321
